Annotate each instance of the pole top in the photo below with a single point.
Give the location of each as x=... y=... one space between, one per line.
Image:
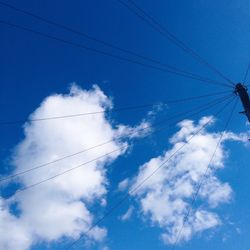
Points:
x=240 y=87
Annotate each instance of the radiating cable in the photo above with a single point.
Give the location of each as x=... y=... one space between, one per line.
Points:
x=14 y=122
x=246 y=74
x=128 y=195
x=67 y=28
x=204 y=176
x=82 y=46
x=199 y=110
x=166 y=33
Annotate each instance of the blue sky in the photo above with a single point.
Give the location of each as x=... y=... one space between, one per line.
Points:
x=34 y=68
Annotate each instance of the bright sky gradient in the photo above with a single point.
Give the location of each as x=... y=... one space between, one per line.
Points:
x=34 y=68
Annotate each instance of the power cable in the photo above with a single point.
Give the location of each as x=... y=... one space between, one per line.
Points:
x=67 y=28
x=14 y=122
x=134 y=190
x=199 y=110
x=166 y=33
x=203 y=177
x=66 y=171
x=246 y=74
x=82 y=46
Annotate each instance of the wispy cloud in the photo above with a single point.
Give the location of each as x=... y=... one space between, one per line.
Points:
x=127 y=215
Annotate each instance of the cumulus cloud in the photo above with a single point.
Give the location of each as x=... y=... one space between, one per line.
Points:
x=62 y=207
x=164 y=198
x=12 y=226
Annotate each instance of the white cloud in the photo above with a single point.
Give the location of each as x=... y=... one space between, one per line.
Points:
x=12 y=226
x=199 y=221
x=165 y=197
x=127 y=215
x=62 y=207
x=143 y=129
x=123 y=184
x=215 y=192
